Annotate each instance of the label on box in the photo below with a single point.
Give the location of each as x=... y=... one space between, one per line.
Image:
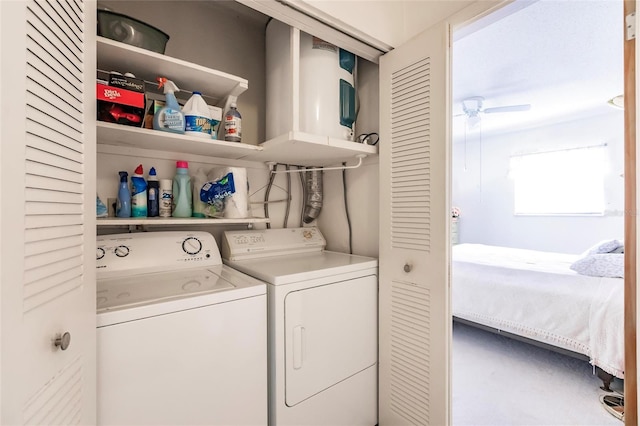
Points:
x=119 y=96
x=127 y=83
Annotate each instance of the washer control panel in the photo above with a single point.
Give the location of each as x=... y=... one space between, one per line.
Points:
x=155 y=252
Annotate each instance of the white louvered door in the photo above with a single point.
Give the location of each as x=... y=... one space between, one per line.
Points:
x=47 y=219
x=414 y=322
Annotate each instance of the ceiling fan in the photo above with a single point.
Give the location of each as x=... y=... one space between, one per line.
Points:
x=472 y=108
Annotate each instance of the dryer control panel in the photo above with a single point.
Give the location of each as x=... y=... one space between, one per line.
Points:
x=238 y=245
x=146 y=252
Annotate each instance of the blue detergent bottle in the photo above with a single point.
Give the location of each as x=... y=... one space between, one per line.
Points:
x=169 y=118
x=123 y=204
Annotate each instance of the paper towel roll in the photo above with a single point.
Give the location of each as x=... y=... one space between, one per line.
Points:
x=236 y=206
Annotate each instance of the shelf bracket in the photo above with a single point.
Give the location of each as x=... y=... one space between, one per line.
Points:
x=360 y=157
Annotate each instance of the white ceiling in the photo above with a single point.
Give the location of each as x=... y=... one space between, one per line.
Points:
x=564 y=57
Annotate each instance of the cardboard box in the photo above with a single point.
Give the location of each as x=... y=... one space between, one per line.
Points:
x=116 y=105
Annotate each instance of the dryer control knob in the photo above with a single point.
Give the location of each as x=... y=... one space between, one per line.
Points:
x=99 y=253
x=192 y=245
x=121 y=251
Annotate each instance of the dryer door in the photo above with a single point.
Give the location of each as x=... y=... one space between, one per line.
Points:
x=330 y=335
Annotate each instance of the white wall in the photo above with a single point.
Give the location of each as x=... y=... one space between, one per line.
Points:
x=484 y=191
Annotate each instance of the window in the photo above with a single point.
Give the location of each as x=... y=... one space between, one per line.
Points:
x=566 y=182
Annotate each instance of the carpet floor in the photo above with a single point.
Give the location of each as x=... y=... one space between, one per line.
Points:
x=500 y=381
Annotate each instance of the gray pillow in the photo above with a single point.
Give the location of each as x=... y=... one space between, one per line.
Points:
x=604 y=246
x=600 y=265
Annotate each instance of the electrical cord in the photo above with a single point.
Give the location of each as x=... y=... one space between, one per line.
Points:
x=266 y=195
x=286 y=213
x=346 y=205
x=304 y=194
x=369 y=138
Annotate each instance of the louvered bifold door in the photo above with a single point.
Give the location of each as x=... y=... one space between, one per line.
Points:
x=48 y=212
x=414 y=312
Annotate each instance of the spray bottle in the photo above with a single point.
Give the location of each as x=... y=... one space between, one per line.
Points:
x=169 y=118
x=123 y=204
x=138 y=193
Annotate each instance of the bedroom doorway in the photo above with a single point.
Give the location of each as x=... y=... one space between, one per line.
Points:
x=511 y=103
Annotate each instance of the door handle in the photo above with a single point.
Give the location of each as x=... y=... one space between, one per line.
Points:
x=298 y=342
x=62 y=341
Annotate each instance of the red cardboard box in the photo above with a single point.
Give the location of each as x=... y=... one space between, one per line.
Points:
x=116 y=105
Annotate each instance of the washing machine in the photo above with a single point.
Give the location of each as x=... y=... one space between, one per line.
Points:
x=322 y=325
x=181 y=338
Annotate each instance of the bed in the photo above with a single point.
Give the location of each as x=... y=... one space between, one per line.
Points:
x=538 y=296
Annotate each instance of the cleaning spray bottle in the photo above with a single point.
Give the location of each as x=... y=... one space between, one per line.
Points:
x=153 y=192
x=169 y=118
x=138 y=193
x=123 y=204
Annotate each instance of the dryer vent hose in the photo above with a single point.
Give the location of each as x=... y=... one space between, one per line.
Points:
x=313 y=202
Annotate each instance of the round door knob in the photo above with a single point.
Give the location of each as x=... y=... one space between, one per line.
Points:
x=407 y=267
x=63 y=341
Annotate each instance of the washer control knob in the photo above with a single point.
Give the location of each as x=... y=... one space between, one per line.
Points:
x=100 y=253
x=121 y=251
x=407 y=267
x=192 y=245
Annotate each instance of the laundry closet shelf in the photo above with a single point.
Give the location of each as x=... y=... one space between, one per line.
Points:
x=307 y=149
x=134 y=137
x=146 y=221
x=147 y=65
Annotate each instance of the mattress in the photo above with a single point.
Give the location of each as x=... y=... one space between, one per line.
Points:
x=534 y=294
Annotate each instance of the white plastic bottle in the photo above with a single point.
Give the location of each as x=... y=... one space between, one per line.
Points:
x=197 y=116
x=233 y=124
x=198 y=182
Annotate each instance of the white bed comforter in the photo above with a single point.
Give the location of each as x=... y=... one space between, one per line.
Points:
x=534 y=294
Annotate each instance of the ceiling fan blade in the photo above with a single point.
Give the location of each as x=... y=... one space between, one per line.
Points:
x=508 y=108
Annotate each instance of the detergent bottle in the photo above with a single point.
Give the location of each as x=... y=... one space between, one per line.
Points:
x=123 y=204
x=182 y=190
x=138 y=193
x=169 y=118
x=153 y=193
x=197 y=116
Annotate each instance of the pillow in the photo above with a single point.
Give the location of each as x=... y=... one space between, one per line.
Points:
x=604 y=246
x=600 y=265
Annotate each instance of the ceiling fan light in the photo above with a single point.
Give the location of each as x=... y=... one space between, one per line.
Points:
x=473 y=121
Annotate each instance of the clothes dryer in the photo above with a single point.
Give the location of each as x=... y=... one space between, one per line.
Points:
x=181 y=337
x=322 y=325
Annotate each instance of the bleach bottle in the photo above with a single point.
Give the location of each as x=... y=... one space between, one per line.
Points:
x=138 y=193
x=169 y=118
x=197 y=116
x=182 y=191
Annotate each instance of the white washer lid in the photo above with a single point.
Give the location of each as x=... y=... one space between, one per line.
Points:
x=145 y=295
x=289 y=269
